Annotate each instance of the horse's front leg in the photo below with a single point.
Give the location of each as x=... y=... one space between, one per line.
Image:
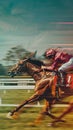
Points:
x=14 y=113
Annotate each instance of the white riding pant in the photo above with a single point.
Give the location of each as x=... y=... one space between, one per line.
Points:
x=67 y=65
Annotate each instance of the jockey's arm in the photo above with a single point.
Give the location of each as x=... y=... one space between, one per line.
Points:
x=52 y=67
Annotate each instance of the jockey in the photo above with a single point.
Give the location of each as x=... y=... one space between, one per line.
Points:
x=62 y=57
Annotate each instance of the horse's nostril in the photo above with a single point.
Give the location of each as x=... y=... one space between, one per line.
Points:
x=11 y=74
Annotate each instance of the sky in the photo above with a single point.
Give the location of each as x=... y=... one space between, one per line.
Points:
x=35 y=24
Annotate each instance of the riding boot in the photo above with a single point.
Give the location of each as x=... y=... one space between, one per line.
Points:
x=62 y=78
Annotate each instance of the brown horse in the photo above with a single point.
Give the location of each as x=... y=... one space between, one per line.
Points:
x=43 y=89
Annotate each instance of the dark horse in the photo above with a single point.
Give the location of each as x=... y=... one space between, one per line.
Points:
x=45 y=86
x=42 y=90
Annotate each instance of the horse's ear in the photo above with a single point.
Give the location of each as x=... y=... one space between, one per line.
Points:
x=35 y=53
x=25 y=60
x=32 y=55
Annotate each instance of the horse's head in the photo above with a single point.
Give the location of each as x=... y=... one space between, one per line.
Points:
x=29 y=65
x=19 y=68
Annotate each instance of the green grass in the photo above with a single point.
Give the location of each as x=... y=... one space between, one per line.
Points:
x=14 y=96
x=28 y=115
x=23 y=123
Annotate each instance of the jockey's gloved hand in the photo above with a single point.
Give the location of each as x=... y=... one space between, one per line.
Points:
x=38 y=71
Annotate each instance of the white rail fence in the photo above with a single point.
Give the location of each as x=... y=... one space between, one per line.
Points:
x=26 y=83
x=20 y=84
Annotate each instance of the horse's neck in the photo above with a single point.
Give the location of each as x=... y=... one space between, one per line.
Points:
x=32 y=71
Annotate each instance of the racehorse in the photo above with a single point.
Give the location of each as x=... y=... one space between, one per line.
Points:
x=42 y=89
x=45 y=87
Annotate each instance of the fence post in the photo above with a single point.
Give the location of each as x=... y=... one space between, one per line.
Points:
x=0 y=101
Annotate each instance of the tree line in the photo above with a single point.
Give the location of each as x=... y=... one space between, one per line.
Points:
x=12 y=56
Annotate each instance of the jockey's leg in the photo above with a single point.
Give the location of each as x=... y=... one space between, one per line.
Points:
x=65 y=67
x=62 y=77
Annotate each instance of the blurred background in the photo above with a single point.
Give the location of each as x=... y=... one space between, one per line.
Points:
x=27 y=26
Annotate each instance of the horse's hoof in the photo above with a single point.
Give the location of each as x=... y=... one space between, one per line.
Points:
x=10 y=116
x=49 y=124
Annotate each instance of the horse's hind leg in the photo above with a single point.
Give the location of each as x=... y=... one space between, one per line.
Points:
x=42 y=114
x=68 y=110
x=46 y=111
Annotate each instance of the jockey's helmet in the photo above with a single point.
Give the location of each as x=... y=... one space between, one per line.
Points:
x=50 y=52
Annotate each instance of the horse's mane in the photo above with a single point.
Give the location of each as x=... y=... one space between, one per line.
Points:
x=36 y=62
